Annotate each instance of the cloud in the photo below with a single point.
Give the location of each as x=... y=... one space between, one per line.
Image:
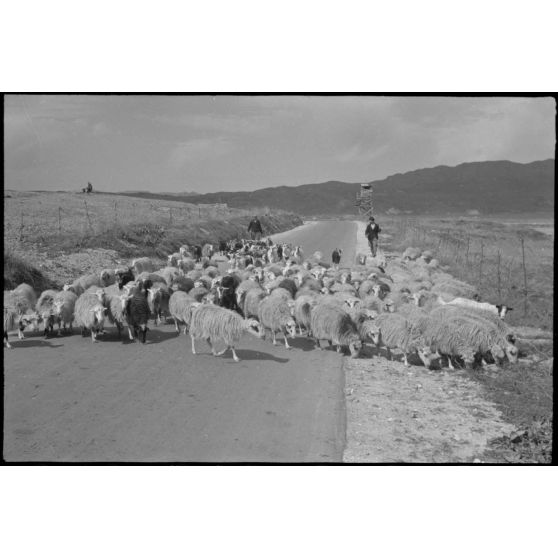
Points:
x=196 y=150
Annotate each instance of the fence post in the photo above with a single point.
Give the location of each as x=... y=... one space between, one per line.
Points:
x=524 y=276
x=115 y=213
x=87 y=215
x=170 y=215
x=21 y=227
x=467 y=252
x=59 y=220
x=199 y=212
x=480 y=265
x=499 y=277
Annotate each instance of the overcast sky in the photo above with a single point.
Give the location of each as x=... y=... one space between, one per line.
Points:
x=205 y=144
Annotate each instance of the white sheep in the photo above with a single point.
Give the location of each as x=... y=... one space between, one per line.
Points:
x=214 y=323
x=366 y=326
x=81 y=284
x=396 y=332
x=181 y=307
x=45 y=308
x=452 y=288
x=499 y=310
x=23 y=290
x=13 y=318
x=274 y=313
x=483 y=318
x=139 y=265
x=251 y=302
x=89 y=314
x=303 y=311
x=331 y=322
x=107 y=277
x=20 y=302
x=64 y=307
x=158 y=299
x=466 y=337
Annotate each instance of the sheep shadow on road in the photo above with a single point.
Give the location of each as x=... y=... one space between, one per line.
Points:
x=154 y=336
x=34 y=343
x=304 y=343
x=248 y=354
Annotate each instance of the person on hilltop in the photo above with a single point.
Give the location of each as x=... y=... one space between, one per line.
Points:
x=371 y=233
x=255 y=229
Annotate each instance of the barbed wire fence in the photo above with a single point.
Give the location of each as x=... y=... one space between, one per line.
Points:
x=500 y=272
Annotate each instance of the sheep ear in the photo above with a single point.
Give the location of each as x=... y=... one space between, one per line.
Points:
x=509 y=309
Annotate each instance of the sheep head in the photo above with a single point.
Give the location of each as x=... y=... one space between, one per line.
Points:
x=468 y=357
x=497 y=353
x=354 y=348
x=426 y=355
x=254 y=327
x=290 y=328
x=512 y=352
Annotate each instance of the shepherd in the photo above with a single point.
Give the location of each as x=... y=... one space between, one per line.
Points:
x=371 y=233
x=255 y=229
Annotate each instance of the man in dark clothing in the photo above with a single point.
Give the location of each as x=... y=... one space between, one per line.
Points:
x=255 y=229
x=371 y=233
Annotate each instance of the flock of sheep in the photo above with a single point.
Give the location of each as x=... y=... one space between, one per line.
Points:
x=406 y=303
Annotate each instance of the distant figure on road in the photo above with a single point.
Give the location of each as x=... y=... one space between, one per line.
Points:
x=371 y=233
x=255 y=229
x=89 y=188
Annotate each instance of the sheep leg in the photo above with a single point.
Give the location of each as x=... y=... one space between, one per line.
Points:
x=299 y=329
x=6 y=341
x=193 y=346
x=388 y=353
x=287 y=346
x=274 y=337
x=450 y=365
x=144 y=333
x=130 y=333
x=405 y=359
x=176 y=325
x=185 y=329
x=235 y=356
x=213 y=351
x=93 y=337
x=318 y=346
x=338 y=349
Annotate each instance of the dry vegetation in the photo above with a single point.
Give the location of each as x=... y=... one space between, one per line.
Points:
x=510 y=261
x=42 y=229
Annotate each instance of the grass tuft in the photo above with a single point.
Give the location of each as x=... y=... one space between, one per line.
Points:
x=17 y=271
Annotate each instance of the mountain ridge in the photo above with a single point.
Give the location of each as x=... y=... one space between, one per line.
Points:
x=487 y=187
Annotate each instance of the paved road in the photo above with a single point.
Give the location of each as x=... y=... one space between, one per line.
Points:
x=324 y=236
x=66 y=399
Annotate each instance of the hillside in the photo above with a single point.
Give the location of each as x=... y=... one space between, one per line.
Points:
x=489 y=187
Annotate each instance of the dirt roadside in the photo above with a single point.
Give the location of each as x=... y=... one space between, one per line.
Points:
x=413 y=415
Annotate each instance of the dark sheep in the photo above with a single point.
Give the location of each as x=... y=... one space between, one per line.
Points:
x=227 y=293
x=124 y=277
